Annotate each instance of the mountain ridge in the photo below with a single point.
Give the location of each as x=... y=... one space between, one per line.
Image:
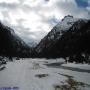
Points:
x=59 y=29
x=69 y=38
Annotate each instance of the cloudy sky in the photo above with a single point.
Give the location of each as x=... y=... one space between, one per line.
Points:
x=33 y=19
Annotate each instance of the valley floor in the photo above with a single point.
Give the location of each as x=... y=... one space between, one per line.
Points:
x=42 y=74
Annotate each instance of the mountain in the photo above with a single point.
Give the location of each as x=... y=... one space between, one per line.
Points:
x=11 y=44
x=68 y=38
x=56 y=32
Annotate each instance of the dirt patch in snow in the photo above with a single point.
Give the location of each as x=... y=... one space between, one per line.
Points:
x=71 y=84
x=41 y=75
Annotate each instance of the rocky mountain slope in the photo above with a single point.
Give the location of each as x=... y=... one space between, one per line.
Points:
x=11 y=44
x=56 y=32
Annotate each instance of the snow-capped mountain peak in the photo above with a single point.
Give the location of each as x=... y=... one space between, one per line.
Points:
x=61 y=27
x=66 y=23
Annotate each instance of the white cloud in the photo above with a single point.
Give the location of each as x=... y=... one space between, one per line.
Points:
x=33 y=19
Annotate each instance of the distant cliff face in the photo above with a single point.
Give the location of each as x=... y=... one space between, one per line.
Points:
x=11 y=44
x=70 y=37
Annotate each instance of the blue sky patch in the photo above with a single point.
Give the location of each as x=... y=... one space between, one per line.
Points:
x=82 y=3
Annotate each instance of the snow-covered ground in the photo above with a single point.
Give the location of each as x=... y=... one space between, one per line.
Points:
x=33 y=74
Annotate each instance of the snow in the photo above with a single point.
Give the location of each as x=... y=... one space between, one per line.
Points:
x=66 y=23
x=22 y=74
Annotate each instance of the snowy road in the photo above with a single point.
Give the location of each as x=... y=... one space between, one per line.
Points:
x=24 y=75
